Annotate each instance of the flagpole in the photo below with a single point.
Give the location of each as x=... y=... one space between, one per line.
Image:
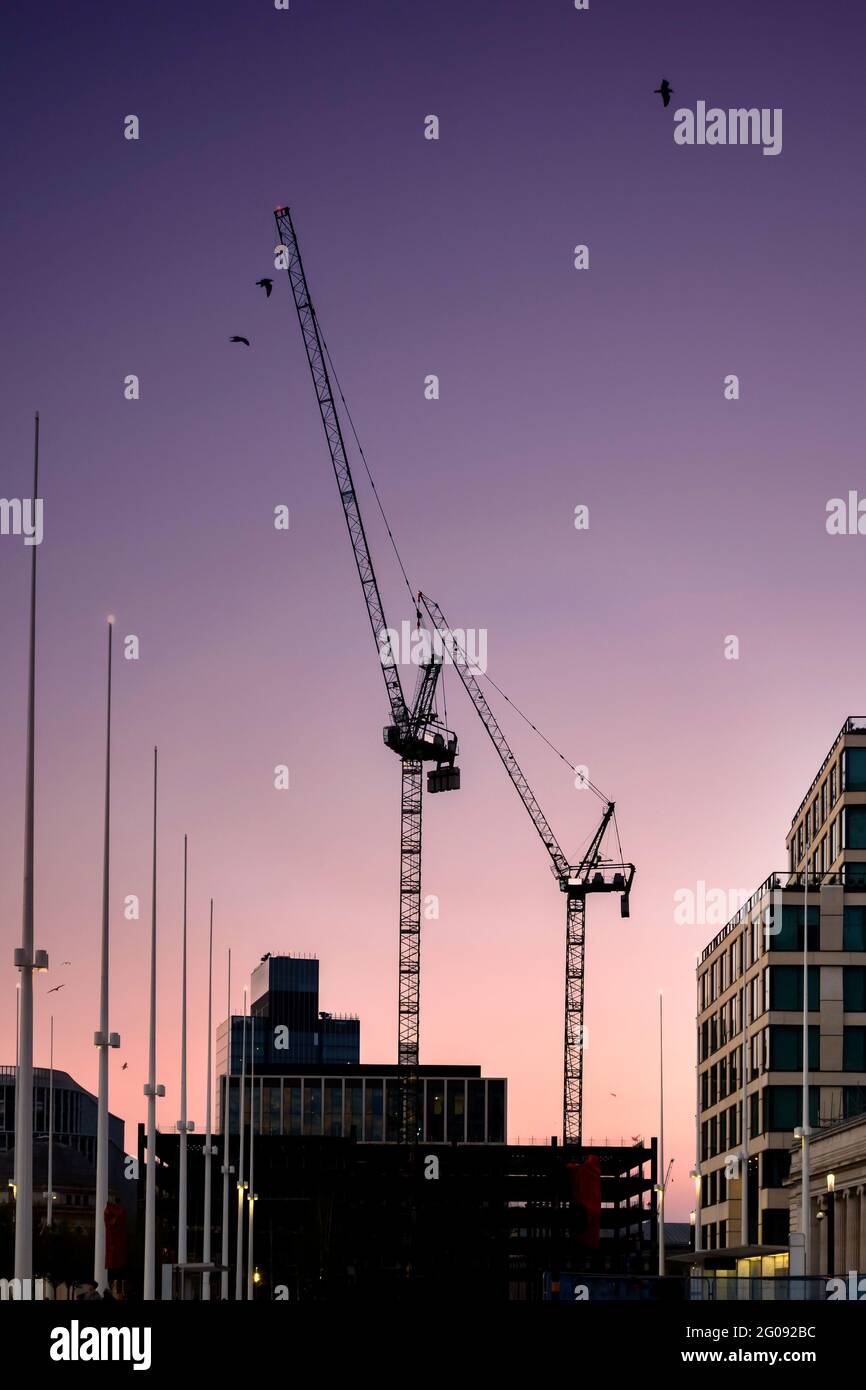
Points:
x=50 y=1194
x=661 y=1188
x=239 y=1256
x=805 y=1173
x=227 y=1167
x=24 y=959
x=251 y=1199
x=183 y=1127
x=103 y=1039
x=151 y=1090
x=208 y=1143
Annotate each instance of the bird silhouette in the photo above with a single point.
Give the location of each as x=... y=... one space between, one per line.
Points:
x=238 y=339
x=613 y=1093
x=266 y=285
x=665 y=91
x=66 y=962
x=635 y=1138
x=56 y=988
x=125 y=1065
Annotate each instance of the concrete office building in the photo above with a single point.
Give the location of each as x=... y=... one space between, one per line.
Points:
x=750 y=1013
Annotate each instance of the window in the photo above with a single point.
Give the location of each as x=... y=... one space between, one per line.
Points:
x=854 y=770
x=854 y=1101
x=854 y=1049
x=854 y=929
x=475 y=1112
x=790 y=935
x=373 y=1107
x=714 y=1087
x=755 y=1114
x=823 y=801
x=774 y=1226
x=496 y=1112
x=783 y=1106
x=855 y=827
x=786 y=987
x=834 y=840
x=313 y=1106
x=854 y=989
x=436 y=1111
x=833 y=792
x=775 y=1167
x=786 y=1047
x=393 y=1104
x=705 y=1090
x=333 y=1106
x=353 y=1110
x=723 y=1132
x=456 y=1112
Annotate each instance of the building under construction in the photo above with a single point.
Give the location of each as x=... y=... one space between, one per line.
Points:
x=348 y=1220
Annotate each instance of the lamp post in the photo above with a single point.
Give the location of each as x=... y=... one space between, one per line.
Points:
x=831 y=1225
x=49 y=1195
x=27 y=960
x=239 y=1256
x=209 y=1149
x=102 y=1038
x=661 y=1185
x=805 y=1222
x=227 y=1168
x=183 y=1125
x=151 y=1090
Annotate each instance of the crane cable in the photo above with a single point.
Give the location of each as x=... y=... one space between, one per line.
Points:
x=413 y=592
x=366 y=465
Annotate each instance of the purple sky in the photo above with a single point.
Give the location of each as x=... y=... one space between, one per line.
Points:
x=558 y=387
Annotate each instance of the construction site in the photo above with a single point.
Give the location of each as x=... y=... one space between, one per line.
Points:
x=380 y=1180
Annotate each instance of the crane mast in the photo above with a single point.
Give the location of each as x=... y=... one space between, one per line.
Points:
x=591 y=875
x=414 y=735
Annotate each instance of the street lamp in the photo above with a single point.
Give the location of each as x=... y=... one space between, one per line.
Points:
x=831 y=1225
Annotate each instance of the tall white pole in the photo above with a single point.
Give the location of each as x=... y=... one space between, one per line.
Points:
x=744 y=1145
x=24 y=959
x=805 y=1213
x=251 y=1202
x=239 y=1255
x=151 y=1090
x=102 y=1038
x=208 y=1142
x=49 y=1215
x=698 y=1159
x=661 y=1185
x=182 y=1125
x=227 y=1167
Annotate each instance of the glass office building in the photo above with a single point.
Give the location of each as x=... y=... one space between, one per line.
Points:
x=458 y=1105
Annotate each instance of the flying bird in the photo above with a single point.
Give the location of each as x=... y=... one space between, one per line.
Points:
x=636 y=1138
x=66 y=962
x=266 y=285
x=238 y=339
x=613 y=1093
x=56 y=988
x=125 y=1065
x=665 y=91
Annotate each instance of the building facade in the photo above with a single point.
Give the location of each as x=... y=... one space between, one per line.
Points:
x=750 y=987
x=286 y=1027
x=837 y=1189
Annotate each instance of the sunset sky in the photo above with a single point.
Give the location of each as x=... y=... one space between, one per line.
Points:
x=559 y=387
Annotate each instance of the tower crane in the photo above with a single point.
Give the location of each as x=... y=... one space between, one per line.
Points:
x=414 y=734
x=593 y=874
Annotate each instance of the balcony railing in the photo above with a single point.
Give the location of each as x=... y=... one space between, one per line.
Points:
x=787 y=880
